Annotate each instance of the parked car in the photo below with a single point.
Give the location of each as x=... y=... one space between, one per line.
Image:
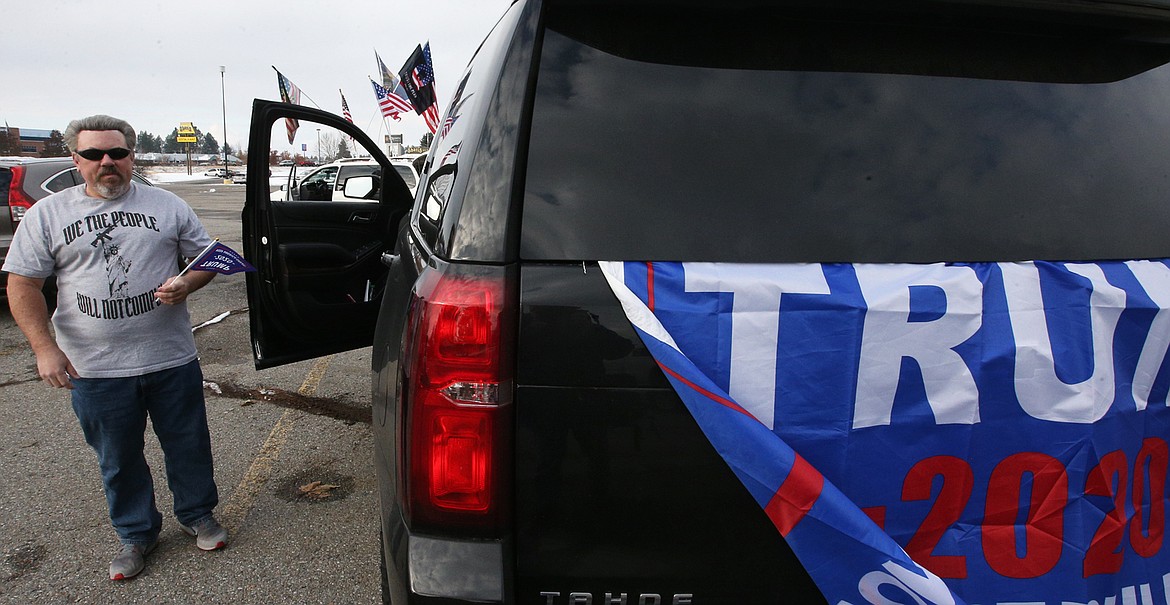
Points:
x=326 y=182
x=237 y=176
x=969 y=199
x=23 y=181
x=408 y=169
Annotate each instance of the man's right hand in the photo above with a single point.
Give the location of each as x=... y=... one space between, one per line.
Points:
x=28 y=308
x=55 y=368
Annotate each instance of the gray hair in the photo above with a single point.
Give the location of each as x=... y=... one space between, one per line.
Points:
x=99 y=122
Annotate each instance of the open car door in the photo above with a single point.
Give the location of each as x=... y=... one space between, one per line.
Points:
x=320 y=277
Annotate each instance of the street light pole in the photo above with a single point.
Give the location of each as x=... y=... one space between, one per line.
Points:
x=223 y=99
x=318 y=145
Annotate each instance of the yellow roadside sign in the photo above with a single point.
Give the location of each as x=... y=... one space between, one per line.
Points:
x=186 y=133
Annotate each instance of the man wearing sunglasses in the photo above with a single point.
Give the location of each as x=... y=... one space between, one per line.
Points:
x=121 y=337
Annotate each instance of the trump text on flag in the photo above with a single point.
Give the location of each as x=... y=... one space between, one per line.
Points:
x=1005 y=423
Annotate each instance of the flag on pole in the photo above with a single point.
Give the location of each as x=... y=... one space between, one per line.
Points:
x=418 y=80
x=431 y=114
x=392 y=98
x=390 y=103
x=345 y=108
x=431 y=117
x=345 y=112
x=220 y=259
x=289 y=93
x=389 y=78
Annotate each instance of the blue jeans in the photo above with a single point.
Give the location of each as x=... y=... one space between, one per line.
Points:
x=113 y=414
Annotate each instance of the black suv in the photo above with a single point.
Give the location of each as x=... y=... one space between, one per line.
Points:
x=529 y=447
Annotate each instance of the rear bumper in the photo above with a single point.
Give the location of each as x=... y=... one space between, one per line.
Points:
x=472 y=571
x=432 y=570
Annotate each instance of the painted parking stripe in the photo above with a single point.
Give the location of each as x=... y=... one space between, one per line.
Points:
x=233 y=513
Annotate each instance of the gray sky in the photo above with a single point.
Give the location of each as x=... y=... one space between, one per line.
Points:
x=156 y=63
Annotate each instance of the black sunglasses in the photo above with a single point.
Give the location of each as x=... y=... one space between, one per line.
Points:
x=95 y=155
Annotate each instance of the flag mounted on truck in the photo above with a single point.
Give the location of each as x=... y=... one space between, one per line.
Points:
x=418 y=80
x=939 y=433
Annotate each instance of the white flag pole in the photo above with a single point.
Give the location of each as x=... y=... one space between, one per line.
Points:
x=198 y=258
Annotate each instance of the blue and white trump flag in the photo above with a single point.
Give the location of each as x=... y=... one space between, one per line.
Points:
x=932 y=434
x=219 y=258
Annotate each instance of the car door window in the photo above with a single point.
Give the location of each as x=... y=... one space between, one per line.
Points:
x=318 y=187
x=62 y=180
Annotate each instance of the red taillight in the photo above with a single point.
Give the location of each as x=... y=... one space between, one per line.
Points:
x=461 y=461
x=18 y=201
x=458 y=382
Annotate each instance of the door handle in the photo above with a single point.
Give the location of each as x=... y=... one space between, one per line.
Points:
x=361 y=217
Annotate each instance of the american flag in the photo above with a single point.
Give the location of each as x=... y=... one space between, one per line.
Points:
x=390 y=103
x=289 y=93
x=426 y=72
x=422 y=74
x=431 y=117
x=345 y=108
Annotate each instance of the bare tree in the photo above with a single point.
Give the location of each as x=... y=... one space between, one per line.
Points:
x=329 y=144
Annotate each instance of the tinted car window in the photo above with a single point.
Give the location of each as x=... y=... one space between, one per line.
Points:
x=5 y=182
x=836 y=143
x=318 y=187
x=407 y=175
x=352 y=171
x=462 y=214
x=61 y=181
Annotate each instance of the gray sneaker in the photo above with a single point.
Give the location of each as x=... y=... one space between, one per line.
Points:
x=129 y=561
x=209 y=534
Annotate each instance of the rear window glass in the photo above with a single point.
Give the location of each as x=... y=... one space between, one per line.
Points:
x=407 y=175
x=352 y=171
x=63 y=180
x=769 y=140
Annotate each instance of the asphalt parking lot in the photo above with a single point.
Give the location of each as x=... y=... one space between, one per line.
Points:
x=293 y=464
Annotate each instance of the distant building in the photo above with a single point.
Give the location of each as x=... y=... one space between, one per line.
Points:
x=32 y=140
x=32 y=143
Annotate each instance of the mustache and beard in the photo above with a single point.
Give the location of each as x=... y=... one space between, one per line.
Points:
x=110 y=188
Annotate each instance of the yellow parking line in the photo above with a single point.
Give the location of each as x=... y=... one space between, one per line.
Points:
x=235 y=510
x=313 y=378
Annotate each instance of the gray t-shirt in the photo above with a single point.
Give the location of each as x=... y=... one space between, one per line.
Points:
x=109 y=257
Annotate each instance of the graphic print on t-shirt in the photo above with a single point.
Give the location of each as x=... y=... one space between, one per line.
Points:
x=117 y=267
x=109 y=230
